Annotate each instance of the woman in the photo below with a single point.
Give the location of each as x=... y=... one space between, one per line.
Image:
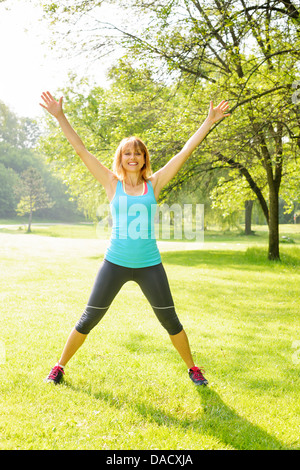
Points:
x=131 y=255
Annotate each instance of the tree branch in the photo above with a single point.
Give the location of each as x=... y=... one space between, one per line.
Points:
x=159 y=52
x=244 y=172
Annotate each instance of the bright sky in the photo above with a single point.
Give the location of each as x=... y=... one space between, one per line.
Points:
x=28 y=66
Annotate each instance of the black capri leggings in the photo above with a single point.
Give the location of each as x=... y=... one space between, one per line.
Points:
x=111 y=277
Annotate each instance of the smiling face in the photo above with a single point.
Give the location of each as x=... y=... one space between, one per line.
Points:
x=132 y=159
x=132 y=156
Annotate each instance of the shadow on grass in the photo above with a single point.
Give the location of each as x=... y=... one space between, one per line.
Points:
x=215 y=419
x=218 y=420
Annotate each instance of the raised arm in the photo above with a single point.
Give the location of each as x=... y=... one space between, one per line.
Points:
x=165 y=174
x=98 y=170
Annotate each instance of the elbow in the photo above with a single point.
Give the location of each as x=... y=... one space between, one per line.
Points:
x=80 y=150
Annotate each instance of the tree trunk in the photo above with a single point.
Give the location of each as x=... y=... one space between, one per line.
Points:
x=29 y=222
x=248 y=215
x=273 y=253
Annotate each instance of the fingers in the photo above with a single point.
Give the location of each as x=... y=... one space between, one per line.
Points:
x=218 y=112
x=49 y=103
x=47 y=97
x=46 y=100
x=223 y=105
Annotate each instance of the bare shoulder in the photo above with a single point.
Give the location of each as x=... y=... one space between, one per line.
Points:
x=111 y=186
x=155 y=184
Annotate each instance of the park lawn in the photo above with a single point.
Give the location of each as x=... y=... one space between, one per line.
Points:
x=96 y=231
x=127 y=388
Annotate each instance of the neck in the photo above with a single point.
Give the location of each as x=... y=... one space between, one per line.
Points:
x=133 y=180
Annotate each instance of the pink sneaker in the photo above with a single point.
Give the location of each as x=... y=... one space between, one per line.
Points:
x=197 y=377
x=56 y=375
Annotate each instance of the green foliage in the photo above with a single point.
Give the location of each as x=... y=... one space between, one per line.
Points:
x=8 y=179
x=19 y=133
x=18 y=138
x=32 y=194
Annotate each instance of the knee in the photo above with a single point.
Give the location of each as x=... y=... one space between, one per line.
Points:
x=89 y=319
x=174 y=329
x=169 y=320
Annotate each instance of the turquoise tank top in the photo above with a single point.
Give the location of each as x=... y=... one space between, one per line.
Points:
x=133 y=242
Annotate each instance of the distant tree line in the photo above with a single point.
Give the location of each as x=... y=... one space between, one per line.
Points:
x=19 y=159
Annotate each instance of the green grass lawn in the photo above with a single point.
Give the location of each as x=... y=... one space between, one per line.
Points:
x=127 y=388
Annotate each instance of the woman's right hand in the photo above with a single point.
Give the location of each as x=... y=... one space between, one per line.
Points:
x=51 y=105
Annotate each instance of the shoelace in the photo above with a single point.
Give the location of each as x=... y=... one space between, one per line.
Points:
x=54 y=372
x=198 y=373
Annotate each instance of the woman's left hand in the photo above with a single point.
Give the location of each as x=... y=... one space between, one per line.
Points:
x=217 y=113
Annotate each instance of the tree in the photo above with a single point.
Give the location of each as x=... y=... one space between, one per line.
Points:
x=8 y=179
x=32 y=194
x=18 y=137
x=18 y=132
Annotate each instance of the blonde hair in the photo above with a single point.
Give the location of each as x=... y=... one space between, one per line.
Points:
x=137 y=144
